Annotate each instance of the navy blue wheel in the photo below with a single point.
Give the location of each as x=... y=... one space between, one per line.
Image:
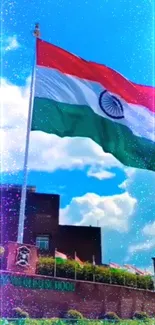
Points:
x=111 y=105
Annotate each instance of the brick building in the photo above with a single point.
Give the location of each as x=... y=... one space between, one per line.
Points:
x=42 y=225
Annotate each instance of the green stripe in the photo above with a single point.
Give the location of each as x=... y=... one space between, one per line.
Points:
x=67 y=120
x=60 y=260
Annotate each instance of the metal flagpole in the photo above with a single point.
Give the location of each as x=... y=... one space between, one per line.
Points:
x=153 y=259
x=110 y=278
x=75 y=277
x=124 y=280
x=55 y=264
x=36 y=33
x=94 y=268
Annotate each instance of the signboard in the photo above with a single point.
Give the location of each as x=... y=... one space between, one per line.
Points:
x=34 y=283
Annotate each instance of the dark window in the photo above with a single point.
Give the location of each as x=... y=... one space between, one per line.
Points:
x=42 y=242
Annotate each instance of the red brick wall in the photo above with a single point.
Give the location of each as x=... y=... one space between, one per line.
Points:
x=91 y=299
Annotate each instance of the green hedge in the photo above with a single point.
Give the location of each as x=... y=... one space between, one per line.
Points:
x=102 y=274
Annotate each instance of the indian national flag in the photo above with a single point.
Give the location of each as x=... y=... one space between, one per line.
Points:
x=115 y=266
x=60 y=257
x=79 y=261
x=134 y=270
x=148 y=273
x=77 y=98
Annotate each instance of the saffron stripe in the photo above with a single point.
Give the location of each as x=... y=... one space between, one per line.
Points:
x=51 y=56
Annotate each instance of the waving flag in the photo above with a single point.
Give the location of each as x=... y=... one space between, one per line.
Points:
x=78 y=260
x=60 y=257
x=115 y=266
x=77 y=98
x=134 y=270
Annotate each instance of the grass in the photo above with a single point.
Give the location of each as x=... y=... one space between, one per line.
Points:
x=57 y=321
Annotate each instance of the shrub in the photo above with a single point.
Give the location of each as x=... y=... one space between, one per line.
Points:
x=45 y=266
x=111 y=316
x=19 y=313
x=118 y=276
x=140 y=315
x=102 y=274
x=144 y=282
x=74 y=316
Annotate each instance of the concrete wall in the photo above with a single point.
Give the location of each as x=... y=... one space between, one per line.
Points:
x=93 y=300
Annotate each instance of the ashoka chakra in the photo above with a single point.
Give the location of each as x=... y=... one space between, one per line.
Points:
x=111 y=105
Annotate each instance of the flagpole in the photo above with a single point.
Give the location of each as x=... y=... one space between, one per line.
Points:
x=94 y=268
x=75 y=266
x=153 y=259
x=20 y=236
x=55 y=264
x=110 y=277
x=124 y=280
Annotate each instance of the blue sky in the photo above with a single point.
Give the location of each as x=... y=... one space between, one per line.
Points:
x=94 y=187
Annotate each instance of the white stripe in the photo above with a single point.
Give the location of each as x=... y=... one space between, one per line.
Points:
x=115 y=266
x=52 y=84
x=130 y=269
x=60 y=255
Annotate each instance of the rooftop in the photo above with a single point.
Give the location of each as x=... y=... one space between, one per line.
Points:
x=16 y=187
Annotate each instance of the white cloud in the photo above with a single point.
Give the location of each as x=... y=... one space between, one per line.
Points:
x=145 y=246
x=111 y=212
x=14 y=104
x=149 y=243
x=99 y=173
x=140 y=184
x=149 y=229
x=130 y=172
x=10 y=43
x=47 y=152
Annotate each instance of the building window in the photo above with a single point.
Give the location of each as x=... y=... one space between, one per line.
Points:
x=42 y=242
